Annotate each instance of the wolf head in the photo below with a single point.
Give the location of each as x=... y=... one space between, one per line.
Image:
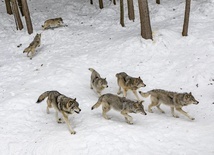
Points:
x=137 y=82
x=189 y=99
x=139 y=108
x=103 y=83
x=73 y=106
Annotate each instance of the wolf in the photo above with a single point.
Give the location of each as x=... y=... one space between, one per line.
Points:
x=97 y=83
x=121 y=104
x=173 y=99
x=127 y=82
x=52 y=23
x=62 y=104
x=33 y=45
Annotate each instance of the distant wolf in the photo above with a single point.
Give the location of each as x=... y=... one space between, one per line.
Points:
x=172 y=99
x=97 y=83
x=52 y=23
x=33 y=45
x=127 y=82
x=62 y=104
x=121 y=104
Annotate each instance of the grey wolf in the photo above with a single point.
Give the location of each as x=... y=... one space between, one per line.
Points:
x=173 y=99
x=121 y=104
x=97 y=83
x=62 y=104
x=127 y=82
x=52 y=23
x=33 y=45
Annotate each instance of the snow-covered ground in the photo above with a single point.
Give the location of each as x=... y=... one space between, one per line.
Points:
x=94 y=38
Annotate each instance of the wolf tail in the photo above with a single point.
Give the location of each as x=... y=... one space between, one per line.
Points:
x=91 y=69
x=42 y=96
x=144 y=94
x=97 y=104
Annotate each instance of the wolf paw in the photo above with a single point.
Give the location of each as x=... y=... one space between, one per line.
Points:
x=149 y=110
x=60 y=120
x=176 y=116
x=131 y=123
x=192 y=118
x=73 y=132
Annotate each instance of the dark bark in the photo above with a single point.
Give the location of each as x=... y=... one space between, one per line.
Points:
x=146 y=31
x=114 y=1
x=101 y=4
x=122 y=13
x=131 y=10
x=16 y=14
x=27 y=16
x=20 y=7
x=91 y=2
x=8 y=7
x=186 y=18
x=158 y=1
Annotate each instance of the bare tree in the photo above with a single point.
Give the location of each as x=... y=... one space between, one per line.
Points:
x=122 y=13
x=146 y=31
x=8 y=7
x=114 y=1
x=27 y=16
x=91 y=2
x=131 y=10
x=101 y=4
x=186 y=18
x=16 y=14
x=158 y=1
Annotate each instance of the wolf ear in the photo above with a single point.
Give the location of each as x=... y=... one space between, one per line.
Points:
x=139 y=77
x=190 y=93
x=104 y=78
x=74 y=99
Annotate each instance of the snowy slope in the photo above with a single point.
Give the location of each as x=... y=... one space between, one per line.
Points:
x=95 y=39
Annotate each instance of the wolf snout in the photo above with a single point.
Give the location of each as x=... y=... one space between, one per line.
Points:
x=196 y=102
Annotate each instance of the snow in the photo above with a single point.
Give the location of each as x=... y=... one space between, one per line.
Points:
x=95 y=39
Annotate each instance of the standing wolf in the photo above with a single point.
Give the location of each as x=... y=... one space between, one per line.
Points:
x=62 y=104
x=33 y=45
x=121 y=104
x=127 y=82
x=97 y=83
x=173 y=99
x=52 y=23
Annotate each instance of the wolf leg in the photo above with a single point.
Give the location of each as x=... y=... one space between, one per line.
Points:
x=184 y=113
x=158 y=106
x=68 y=123
x=135 y=93
x=173 y=113
x=48 y=106
x=128 y=118
x=119 y=91
x=105 y=108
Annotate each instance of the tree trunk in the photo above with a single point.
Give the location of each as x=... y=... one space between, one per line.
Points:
x=146 y=31
x=186 y=18
x=101 y=4
x=27 y=16
x=114 y=1
x=8 y=7
x=20 y=7
x=91 y=2
x=131 y=10
x=122 y=13
x=158 y=1
x=17 y=17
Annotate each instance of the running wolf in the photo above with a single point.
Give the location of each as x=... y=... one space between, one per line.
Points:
x=62 y=104
x=52 y=23
x=33 y=45
x=127 y=82
x=97 y=83
x=173 y=99
x=121 y=104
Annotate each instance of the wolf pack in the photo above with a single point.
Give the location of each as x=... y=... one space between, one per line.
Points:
x=66 y=106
